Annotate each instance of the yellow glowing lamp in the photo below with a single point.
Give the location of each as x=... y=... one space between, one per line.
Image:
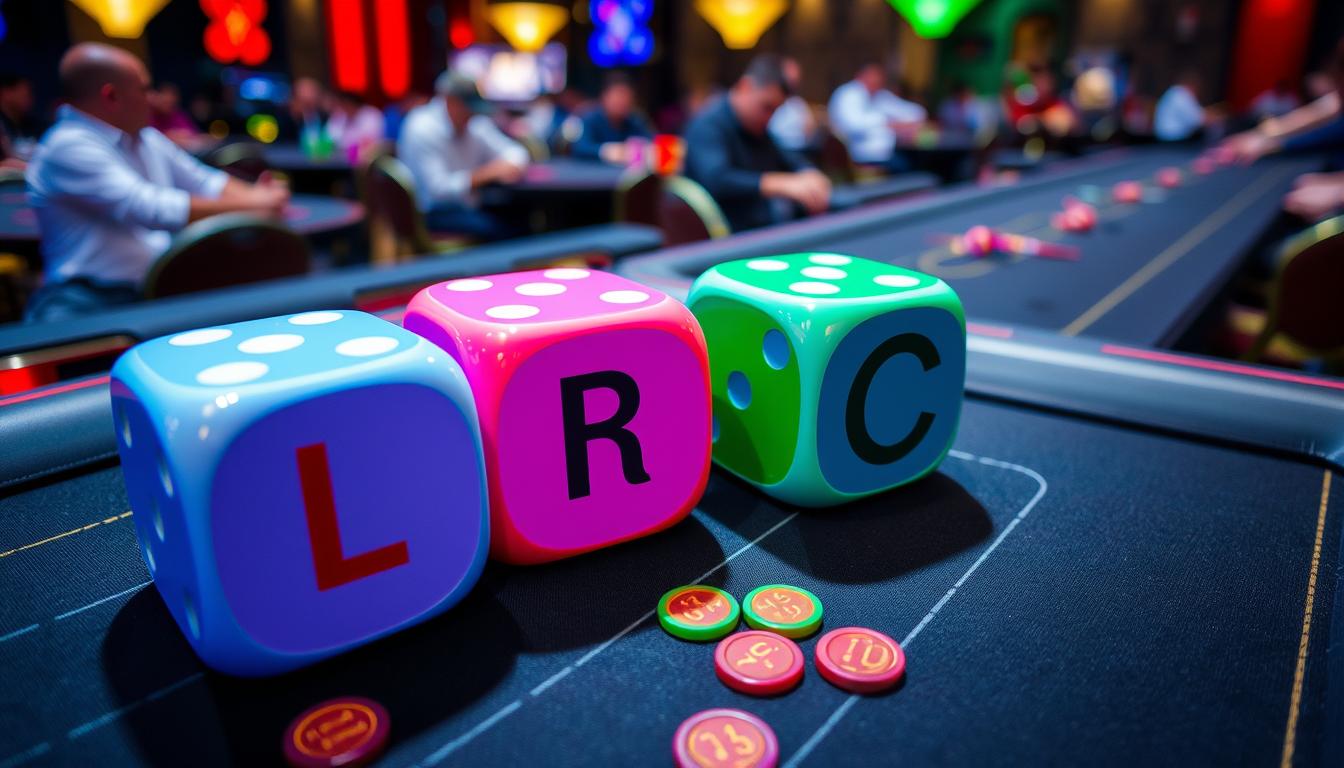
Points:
x=527 y=26
x=121 y=18
x=741 y=22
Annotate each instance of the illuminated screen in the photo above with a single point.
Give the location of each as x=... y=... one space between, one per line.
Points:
x=503 y=74
x=254 y=86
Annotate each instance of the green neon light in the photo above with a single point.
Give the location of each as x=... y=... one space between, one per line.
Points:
x=933 y=18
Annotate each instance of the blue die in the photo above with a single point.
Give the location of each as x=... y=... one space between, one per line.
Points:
x=302 y=484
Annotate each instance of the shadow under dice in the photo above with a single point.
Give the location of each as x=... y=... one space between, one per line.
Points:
x=833 y=377
x=301 y=484
x=594 y=404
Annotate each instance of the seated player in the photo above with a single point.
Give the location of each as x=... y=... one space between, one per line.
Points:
x=19 y=130
x=1316 y=196
x=793 y=127
x=868 y=118
x=730 y=153
x=1276 y=101
x=167 y=116
x=109 y=191
x=453 y=152
x=353 y=123
x=1315 y=127
x=302 y=114
x=607 y=128
x=962 y=112
x=1179 y=115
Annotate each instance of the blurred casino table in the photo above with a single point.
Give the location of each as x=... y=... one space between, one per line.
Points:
x=1144 y=275
x=306 y=214
x=1129 y=558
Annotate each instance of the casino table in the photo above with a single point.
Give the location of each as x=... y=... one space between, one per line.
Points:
x=1129 y=557
x=290 y=158
x=306 y=214
x=1144 y=274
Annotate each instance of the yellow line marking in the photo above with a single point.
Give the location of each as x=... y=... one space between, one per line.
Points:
x=1290 y=737
x=70 y=532
x=1174 y=252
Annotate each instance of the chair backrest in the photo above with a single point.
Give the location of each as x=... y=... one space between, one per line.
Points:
x=638 y=199
x=687 y=213
x=225 y=250
x=243 y=160
x=391 y=203
x=536 y=148
x=833 y=158
x=1304 y=305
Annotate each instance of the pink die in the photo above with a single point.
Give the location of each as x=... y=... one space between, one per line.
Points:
x=593 y=396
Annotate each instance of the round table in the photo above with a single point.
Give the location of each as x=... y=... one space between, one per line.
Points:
x=290 y=158
x=306 y=214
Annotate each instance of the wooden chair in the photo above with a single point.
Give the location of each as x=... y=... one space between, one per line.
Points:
x=397 y=228
x=536 y=148
x=681 y=208
x=243 y=160
x=226 y=250
x=638 y=198
x=1305 y=318
x=834 y=160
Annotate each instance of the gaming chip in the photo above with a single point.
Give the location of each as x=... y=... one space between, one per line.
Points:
x=758 y=663
x=698 y=612
x=348 y=731
x=789 y=611
x=860 y=660
x=725 y=738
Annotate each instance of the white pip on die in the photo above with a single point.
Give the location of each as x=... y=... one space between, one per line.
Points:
x=301 y=484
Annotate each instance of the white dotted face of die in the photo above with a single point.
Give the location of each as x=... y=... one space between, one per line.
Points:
x=315 y=318
x=469 y=285
x=566 y=273
x=829 y=259
x=233 y=373
x=896 y=281
x=270 y=344
x=540 y=289
x=512 y=311
x=367 y=346
x=200 y=337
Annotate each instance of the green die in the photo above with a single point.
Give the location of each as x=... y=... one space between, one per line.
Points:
x=833 y=377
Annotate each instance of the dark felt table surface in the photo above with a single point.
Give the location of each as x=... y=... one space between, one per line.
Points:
x=306 y=214
x=1068 y=592
x=1143 y=274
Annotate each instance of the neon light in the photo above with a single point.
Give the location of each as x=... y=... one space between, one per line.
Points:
x=235 y=32
x=349 y=54
x=527 y=26
x=933 y=18
x=741 y=22
x=121 y=18
x=394 y=58
x=1214 y=365
x=460 y=33
x=621 y=36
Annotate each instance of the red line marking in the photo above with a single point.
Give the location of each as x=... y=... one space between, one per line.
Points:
x=333 y=568
x=94 y=382
x=1214 y=365
x=997 y=332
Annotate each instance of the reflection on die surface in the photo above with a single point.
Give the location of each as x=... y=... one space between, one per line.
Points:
x=593 y=395
x=301 y=484
x=833 y=377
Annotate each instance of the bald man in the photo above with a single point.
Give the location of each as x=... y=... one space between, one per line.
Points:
x=109 y=191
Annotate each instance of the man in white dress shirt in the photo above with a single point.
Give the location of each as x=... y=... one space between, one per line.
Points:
x=867 y=116
x=793 y=127
x=452 y=152
x=1179 y=115
x=109 y=191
